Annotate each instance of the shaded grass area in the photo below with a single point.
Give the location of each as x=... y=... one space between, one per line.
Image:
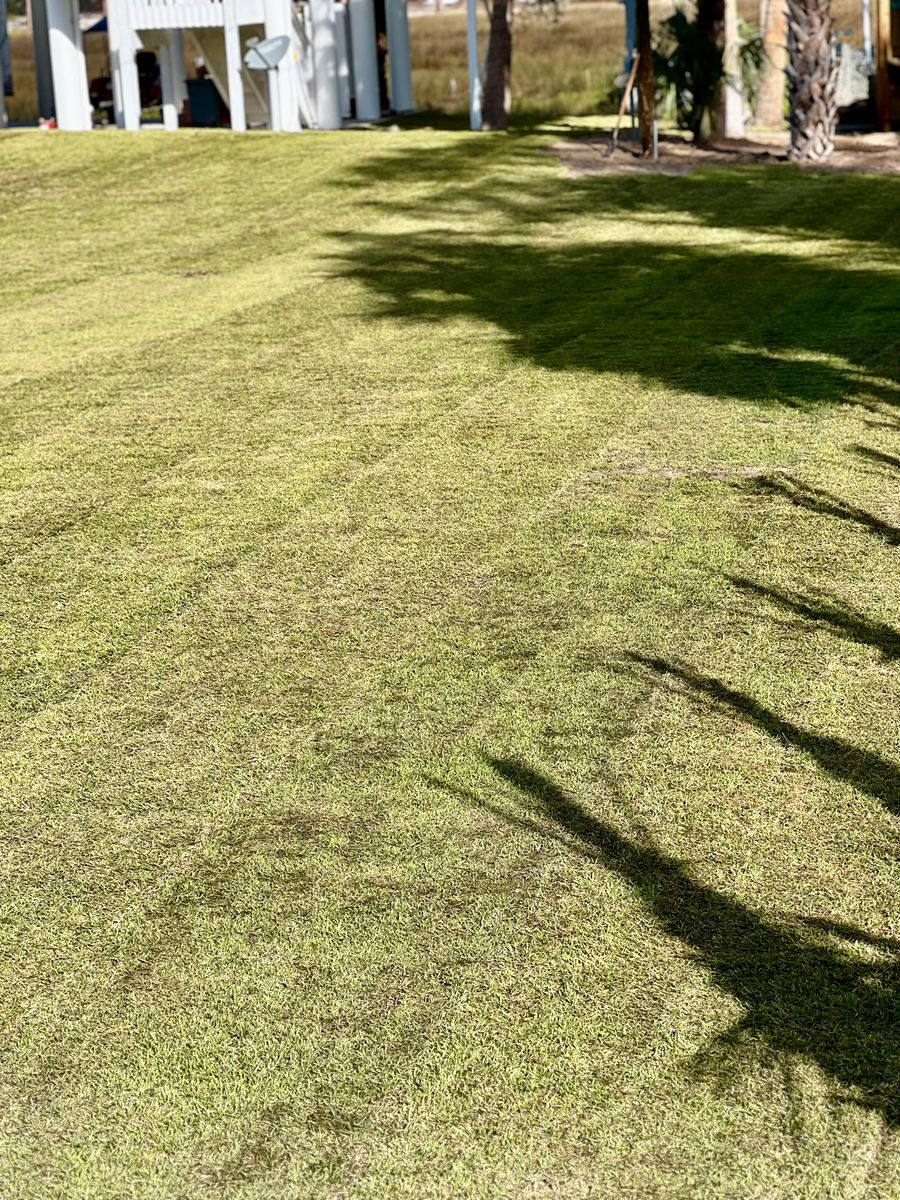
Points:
x=449 y=691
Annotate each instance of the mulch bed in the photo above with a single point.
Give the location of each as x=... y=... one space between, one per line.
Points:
x=877 y=153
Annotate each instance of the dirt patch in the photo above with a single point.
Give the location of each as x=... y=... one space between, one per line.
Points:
x=872 y=153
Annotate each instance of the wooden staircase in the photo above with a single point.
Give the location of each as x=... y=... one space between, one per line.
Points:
x=210 y=46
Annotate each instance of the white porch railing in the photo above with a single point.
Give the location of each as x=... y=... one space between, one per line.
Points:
x=175 y=14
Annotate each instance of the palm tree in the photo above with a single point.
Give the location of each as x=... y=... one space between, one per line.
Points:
x=812 y=79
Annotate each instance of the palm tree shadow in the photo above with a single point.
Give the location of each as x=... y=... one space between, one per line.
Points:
x=845 y=621
x=801 y=994
x=879 y=457
x=814 y=499
x=866 y=770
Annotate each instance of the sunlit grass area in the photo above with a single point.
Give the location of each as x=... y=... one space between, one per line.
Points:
x=450 y=655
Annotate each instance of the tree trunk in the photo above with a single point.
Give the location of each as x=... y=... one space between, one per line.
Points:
x=812 y=79
x=646 y=77
x=711 y=24
x=773 y=27
x=711 y=20
x=496 y=99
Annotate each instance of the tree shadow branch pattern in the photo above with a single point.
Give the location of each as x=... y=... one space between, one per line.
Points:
x=801 y=995
x=845 y=621
x=818 y=500
x=867 y=771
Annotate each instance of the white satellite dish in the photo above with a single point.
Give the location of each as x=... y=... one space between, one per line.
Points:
x=265 y=56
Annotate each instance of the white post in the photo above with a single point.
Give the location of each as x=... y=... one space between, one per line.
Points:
x=179 y=72
x=126 y=85
x=324 y=40
x=170 y=105
x=233 y=67
x=70 y=89
x=398 y=55
x=365 y=59
x=342 y=40
x=732 y=117
x=282 y=81
x=474 y=65
x=867 y=31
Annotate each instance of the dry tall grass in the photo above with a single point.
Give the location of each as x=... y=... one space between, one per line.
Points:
x=564 y=67
x=22 y=105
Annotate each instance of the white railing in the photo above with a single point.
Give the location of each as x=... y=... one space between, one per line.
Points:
x=175 y=14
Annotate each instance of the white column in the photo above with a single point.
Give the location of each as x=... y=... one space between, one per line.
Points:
x=179 y=72
x=365 y=59
x=342 y=44
x=172 y=75
x=170 y=105
x=732 y=116
x=324 y=39
x=474 y=65
x=123 y=44
x=398 y=55
x=70 y=89
x=867 y=31
x=282 y=81
x=233 y=67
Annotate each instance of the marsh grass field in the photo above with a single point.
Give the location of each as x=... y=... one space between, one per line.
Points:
x=449 y=696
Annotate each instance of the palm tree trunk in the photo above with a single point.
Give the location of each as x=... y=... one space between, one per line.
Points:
x=496 y=101
x=812 y=79
x=646 y=77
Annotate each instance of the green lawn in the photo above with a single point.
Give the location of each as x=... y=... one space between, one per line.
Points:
x=450 y=640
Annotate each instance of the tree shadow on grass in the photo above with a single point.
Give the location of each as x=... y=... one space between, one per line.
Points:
x=499 y=174
x=769 y=328
x=847 y=622
x=878 y=457
x=773 y=323
x=866 y=770
x=804 y=495
x=802 y=995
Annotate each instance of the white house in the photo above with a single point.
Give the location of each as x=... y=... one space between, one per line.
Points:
x=330 y=63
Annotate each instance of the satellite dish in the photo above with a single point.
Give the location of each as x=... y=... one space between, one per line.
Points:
x=265 y=56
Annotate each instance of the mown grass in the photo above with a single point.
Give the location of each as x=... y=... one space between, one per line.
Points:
x=450 y=645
